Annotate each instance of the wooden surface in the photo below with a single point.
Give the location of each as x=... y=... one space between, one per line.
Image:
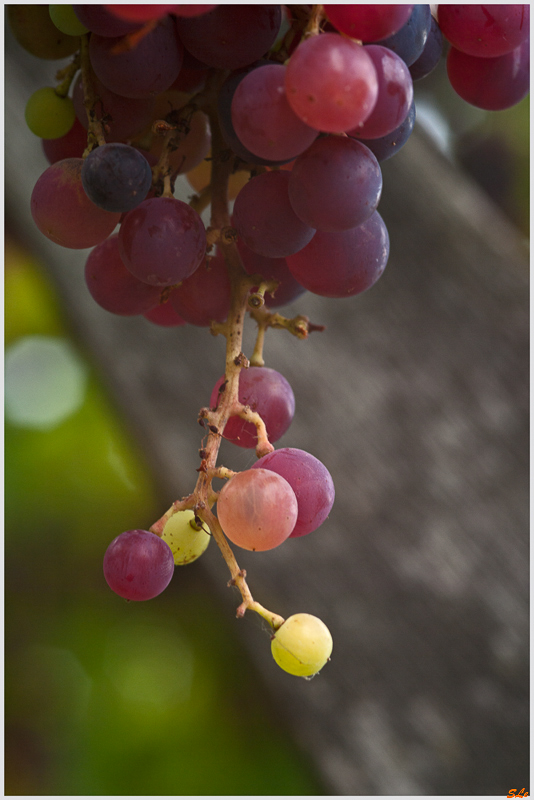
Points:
x=416 y=399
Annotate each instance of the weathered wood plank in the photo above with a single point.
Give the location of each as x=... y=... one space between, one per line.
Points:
x=416 y=398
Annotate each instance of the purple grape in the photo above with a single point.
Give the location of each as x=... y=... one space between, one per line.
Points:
x=271 y=269
x=388 y=145
x=138 y=565
x=162 y=241
x=309 y=479
x=114 y=287
x=335 y=184
x=395 y=94
x=343 y=263
x=143 y=71
x=265 y=220
x=116 y=177
x=409 y=41
x=267 y=392
x=491 y=83
x=231 y=36
x=429 y=58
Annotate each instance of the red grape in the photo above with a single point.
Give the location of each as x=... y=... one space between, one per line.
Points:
x=336 y=184
x=266 y=391
x=63 y=212
x=205 y=296
x=257 y=509
x=165 y=316
x=331 y=83
x=138 y=565
x=369 y=23
x=162 y=241
x=263 y=119
x=343 y=263
x=395 y=94
x=114 y=287
x=309 y=479
x=491 y=83
x=139 y=12
x=72 y=145
x=123 y=117
x=265 y=220
x=486 y=31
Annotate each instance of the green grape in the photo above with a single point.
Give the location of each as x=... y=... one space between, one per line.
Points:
x=35 y=31
x=48 y=115
x=65 y=20
x=186 y=542
x=302 y=645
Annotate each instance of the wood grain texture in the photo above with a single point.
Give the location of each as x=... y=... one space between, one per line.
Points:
x=416 y=399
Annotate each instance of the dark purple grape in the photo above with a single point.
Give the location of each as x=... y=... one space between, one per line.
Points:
x=343 y=263
x=116 y=177
x=431 y=54
x=388 y=145
x=205 y=296
x=144 y=70
x=309 y=479
x=271 y=269
x=491 y=83
x=114 y=287
x=138 y=565
x=409 y=41
x=231 y=36
x=335 y=184
x=162 y=241
x=267 y=392
x=265 y=220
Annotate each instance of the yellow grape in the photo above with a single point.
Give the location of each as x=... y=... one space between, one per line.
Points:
x=302 y=645
x=48 y=115
x=186 y=542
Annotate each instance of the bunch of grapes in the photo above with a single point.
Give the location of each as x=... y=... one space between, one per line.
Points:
x=288 y=111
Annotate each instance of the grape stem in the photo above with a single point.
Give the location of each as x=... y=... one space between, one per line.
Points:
x=66 y=76
x=95 y=134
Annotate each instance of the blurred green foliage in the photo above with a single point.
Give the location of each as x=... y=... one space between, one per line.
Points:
x=105 y=697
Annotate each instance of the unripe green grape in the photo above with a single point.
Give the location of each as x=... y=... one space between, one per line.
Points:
x=302 y=645
x=65 y=20
x=48 y=115
x=186 y=542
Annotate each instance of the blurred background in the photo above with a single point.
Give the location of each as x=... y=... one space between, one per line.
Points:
x=97 y=701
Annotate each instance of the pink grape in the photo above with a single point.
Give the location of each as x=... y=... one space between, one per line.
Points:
x=63 y=212
x=138 y=565
x=331 y=83
x=205 y=296
x=486 y=31
x=257 y=509
x=343 y=263
x=143 y=71
x=311 y=482
x=395 y=94
x=264 y=121
x=114 y=287
x=336 y=184
x=265 y=220
x=162 y=241
x=369 y=23
x=231 y=36
x=491 y=83
x=266 y=391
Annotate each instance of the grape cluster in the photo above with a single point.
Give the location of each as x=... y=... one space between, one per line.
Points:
x=289 y=111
